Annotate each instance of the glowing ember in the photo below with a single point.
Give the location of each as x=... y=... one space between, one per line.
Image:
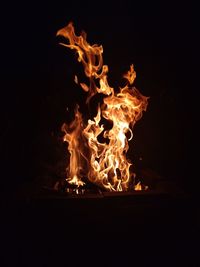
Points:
x=103 y=163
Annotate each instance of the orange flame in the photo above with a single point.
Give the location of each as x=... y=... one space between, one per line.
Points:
x=103 y=163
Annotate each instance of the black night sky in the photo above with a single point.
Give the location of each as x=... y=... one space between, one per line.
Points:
x=37 y=85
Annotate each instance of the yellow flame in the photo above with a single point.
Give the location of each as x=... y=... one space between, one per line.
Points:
x=130 y=75
x=138 y=186
x=105 y=162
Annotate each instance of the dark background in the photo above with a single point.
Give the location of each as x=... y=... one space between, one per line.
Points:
x=36 y=88
x=37 y=80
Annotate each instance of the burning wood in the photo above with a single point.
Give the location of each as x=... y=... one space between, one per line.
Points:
x=98 y=154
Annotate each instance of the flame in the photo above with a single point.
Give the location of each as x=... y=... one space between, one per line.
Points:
x=138 y=186
x=102 y=162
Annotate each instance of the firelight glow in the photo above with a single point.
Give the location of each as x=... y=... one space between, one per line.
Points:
x=103 y=163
